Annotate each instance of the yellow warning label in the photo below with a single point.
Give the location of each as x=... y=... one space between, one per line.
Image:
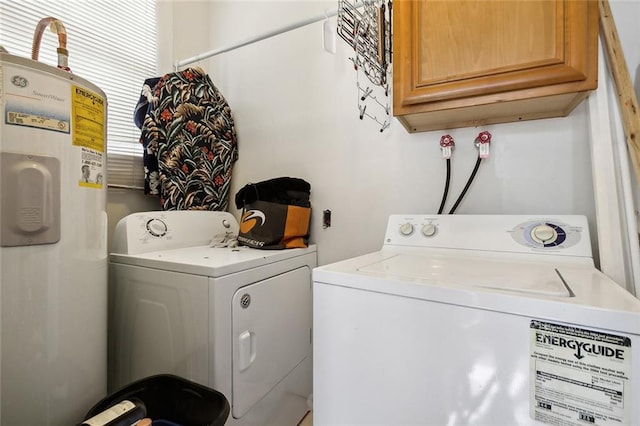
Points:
x=88 y=109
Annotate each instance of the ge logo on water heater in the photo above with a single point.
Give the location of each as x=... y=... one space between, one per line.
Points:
x=19 y=81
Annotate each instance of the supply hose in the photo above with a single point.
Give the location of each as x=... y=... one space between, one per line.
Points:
x=446 y=187
x=57 y=27
x=466 y=187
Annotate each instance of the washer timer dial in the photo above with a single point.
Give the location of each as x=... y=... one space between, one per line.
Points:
x=156 y=227
x=546 y=234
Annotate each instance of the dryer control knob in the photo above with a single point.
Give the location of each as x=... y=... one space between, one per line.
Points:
x=429 y=230
x=156 y=227
x=406 y=229
x=544 y=234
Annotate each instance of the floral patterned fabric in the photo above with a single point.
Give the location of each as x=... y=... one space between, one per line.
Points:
x=190 y=142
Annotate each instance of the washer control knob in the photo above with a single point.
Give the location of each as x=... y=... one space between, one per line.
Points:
x=544 y=234
x=226 y=223
x=429 y=230
x=156 y=227
x=406 y=229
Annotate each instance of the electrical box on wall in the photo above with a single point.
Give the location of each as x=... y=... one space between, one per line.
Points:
x=326 y=219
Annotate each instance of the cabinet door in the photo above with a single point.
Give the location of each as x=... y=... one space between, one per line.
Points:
x=456 y=54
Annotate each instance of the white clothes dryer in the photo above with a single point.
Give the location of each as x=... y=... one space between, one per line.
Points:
x=235 y=319
x=475 y=320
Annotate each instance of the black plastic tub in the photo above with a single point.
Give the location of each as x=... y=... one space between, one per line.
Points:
x=170 y=398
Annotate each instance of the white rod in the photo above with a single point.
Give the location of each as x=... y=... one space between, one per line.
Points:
x=257 y=38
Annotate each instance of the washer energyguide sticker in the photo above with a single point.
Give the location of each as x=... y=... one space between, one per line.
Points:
x=579 y=376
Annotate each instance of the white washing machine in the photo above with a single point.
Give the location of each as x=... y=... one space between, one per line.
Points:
x=475 y=320
x=235 y=319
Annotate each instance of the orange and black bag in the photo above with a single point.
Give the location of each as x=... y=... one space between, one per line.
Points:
x=276 y=213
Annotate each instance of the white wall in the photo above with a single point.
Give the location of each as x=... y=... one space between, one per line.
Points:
x=296 y=115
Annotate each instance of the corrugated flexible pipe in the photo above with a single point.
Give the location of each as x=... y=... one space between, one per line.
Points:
x=57 y=27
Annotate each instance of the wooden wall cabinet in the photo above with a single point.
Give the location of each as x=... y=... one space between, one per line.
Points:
x=464 y=63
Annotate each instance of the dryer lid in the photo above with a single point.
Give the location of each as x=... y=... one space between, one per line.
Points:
x=542 y=279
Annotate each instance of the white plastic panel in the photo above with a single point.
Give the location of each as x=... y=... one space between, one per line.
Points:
x=164 y=230
x=158 y=324
x=30 y=199
x=493 y=233
x=271 y=335
x=392 y=360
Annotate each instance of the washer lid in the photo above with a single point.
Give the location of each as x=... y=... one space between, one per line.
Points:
x=520 y=285
x=209 y=261
x=500 y=274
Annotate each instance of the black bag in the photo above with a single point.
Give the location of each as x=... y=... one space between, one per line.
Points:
x=276 y=213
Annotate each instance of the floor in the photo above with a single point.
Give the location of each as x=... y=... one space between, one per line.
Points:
x=307 y=420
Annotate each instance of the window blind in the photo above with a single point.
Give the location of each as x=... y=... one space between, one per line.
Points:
x=111 y=43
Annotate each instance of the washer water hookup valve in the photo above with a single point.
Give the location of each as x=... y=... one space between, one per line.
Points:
x=482 y=143
x=446 y=146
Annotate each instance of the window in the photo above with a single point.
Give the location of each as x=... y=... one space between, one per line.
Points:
x=111 y=43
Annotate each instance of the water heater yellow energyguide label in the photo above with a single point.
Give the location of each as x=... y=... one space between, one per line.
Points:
x=88 y=118
x=88 y=109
